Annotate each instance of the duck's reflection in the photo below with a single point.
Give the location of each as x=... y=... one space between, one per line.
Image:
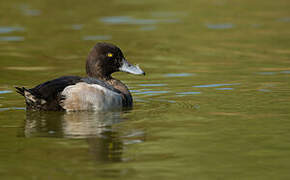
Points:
x=105 y=142
x=70 y=124
x=89 y=124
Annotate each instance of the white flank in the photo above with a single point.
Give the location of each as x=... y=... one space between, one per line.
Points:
x=83 y=96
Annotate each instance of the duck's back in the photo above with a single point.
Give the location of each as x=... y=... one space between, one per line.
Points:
x=72 y=93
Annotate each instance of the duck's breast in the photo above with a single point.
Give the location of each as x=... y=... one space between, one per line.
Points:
x=84 y=96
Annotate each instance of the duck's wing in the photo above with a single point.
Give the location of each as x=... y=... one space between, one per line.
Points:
x=52 y=88
x=46 y=95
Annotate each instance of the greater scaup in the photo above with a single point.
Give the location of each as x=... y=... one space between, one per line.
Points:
x=98 y=91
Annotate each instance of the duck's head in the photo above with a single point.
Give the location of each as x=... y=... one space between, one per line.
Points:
x=105 y=59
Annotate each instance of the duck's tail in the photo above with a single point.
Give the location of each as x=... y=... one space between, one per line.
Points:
x=20 y=90
x=31 y=99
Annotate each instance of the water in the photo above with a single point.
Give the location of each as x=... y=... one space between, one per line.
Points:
x=214 y=103
x=220 y=26
x=11 y=38
x=97 y=37
x=4 y=29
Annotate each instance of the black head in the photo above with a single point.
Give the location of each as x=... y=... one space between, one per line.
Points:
x=105 y=59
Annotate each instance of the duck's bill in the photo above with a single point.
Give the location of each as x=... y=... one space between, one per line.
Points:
x=129 y=68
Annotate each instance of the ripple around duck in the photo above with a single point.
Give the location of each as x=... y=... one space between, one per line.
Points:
x=224 y=89
x=266 y=73
x=132 y=141
x=188 y=105
x=285 y=19
x=178 y=74
x=188 y=93
x=264 y=90
x=131 y=20
x=140 y=100
x=152 y=85
x=5 y=91
x=4 y=109
x=215 y=85
x=285 y=72
x=7 y=29
x=220 y=26
x=161 y=100
x=97 y=37
x=134 y=91
x=26 y=10
x=12 y=108
x=126 y=20
x=152 y=92
x=11 y=38
x=26 y=68
x=273 y=73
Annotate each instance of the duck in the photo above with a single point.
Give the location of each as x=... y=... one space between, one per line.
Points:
x=97 y=91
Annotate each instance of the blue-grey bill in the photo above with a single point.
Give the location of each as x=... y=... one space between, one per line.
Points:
x=129 y=68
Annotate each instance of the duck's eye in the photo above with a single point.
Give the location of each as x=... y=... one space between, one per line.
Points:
x=110 y=54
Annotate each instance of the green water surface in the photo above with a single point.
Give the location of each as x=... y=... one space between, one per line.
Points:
x=214 y=104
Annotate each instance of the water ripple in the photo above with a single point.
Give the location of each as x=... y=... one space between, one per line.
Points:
x=153 y=92
x=97 y=37
x=27 y=68
x=220 y=26
x=134 y=91
x=285 y=72
x=264 y=90
x=32 y=12
x=131 y=20
x=188 y=93
x=215 y=85
x=162 y=100
x=5 y=92
x=77 y=26
x=11 y=38
x=12 y=108
x=147 y=28
x=285 y=19
x=7 y=29
x=266 y=73
x=224 y=88
x=152 y=85
x=26 y=10
x=4 y=109
x=132 y=141
x=178 y=74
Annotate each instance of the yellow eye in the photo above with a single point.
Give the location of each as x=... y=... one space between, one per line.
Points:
x=110 y=55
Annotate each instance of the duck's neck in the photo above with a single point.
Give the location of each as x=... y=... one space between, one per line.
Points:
x=127 y=97
x=119 y=85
